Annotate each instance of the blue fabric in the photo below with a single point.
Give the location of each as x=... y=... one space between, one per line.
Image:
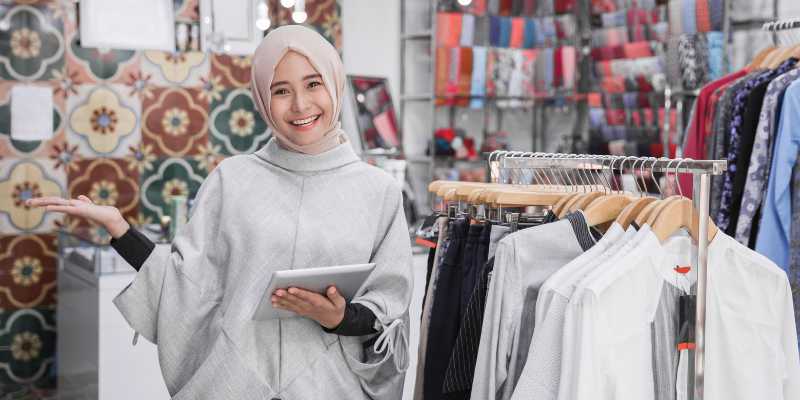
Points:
x=494 y=31
x=530 y=33
x=478 y=84
x=776 y=214
x=716 y=55
x=689 y=17
x=505 y=31
x=717 y=10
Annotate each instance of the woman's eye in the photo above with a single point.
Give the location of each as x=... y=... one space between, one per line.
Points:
x=280 y=92
x=314 y=84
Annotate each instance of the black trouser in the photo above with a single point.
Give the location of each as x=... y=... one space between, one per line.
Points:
x=445 y=311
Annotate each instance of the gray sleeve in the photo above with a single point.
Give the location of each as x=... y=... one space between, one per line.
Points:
x=177 y=290
x=387 y=294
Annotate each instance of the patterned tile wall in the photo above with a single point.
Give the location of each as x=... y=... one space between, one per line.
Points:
x=130 y=129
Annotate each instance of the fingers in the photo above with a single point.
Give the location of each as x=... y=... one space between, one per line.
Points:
x=85 y=199
x=46 y=201
x=69 y=210
x=285 y=300
x=309 y=297
x=335 y=297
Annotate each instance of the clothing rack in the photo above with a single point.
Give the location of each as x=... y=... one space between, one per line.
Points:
x=787 y=29
x=702 y=170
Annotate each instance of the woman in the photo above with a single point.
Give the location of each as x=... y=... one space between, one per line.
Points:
x=303 y=200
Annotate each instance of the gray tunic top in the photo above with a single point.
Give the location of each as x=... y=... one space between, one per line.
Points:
x=255 y=214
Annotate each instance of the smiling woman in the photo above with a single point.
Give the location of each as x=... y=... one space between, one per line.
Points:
x=303 y=200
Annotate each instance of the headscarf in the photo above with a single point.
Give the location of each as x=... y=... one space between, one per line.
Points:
x=322 y=56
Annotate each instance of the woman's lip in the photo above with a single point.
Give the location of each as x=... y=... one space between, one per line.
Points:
x=308 y=127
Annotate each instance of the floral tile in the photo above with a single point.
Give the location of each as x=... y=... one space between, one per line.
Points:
x=27 y=345
x=16 y=148
x=236 y=125
x=103 y=120
x=232 y=71
x=21 y=179
x=33 y=45
x=107 y=182
x=186 y=10
x=175 y=122
x=323 y=15
x=185 y=69
x=169 y=177
x=28 y=267
x=93 y=65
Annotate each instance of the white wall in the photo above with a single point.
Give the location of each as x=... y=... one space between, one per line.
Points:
x=371 y=38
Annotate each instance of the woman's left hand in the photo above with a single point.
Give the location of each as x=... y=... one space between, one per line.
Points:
x=327 y=311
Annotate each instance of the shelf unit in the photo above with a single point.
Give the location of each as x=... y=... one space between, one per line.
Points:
x=411 y=37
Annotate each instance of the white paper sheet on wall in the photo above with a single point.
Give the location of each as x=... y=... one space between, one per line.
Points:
x=31 y=113
x=127 y=24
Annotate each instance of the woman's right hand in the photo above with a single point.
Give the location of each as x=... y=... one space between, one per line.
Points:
x=107 y=216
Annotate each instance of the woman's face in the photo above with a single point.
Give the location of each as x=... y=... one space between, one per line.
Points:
x=300 y=104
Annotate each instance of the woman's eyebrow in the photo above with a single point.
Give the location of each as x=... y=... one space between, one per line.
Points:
x=305 y=78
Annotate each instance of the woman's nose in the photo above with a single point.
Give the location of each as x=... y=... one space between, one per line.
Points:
x=299 y=102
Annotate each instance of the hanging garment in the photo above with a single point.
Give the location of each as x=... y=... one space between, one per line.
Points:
x=541 y=374
x=775 y=225
x=467 y=38
x=761 y=157
x=478 y=84
x=734 y=139
x=517 y=33
x=520 y=268
x=427 y=302
x=446 y=307
x=182 y=300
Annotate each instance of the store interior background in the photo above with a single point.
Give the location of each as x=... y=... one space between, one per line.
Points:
x=142 y=169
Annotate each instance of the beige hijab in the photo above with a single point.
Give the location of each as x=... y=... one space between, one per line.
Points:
x=323 y=57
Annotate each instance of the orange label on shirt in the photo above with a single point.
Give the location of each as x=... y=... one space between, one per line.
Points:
x=426 y=243
x=683 y=269
x=686 y=346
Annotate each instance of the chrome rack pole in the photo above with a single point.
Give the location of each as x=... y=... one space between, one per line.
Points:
x=702 y=281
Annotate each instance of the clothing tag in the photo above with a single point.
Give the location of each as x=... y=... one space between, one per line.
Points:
x=427 y=230
x=425 y=243
x=686 y=319
x=683 y=269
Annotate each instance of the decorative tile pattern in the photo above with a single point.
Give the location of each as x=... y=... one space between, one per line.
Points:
x=232 y=71
x=93 y=65
x=119 y=137
x=236 y=125
x=21 y=179
x=170 y=177
x=103 y=120
x=27 y=345
x=33 y=45
x=176 y=69
x=107 y=182
x=17 y=148
x=28 y=267
x=323 y=15
x=175 y=122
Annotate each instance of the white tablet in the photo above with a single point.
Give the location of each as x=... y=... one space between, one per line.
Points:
x=347 y=279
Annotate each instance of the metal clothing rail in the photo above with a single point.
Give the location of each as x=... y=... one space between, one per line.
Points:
x=701 y=170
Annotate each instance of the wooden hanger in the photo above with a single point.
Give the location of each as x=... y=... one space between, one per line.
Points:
x=526 y=198
x=756 y=63
x=677 y=215
x=632 y=210
x=606 y=209
x=580 y=202
x=559 y=206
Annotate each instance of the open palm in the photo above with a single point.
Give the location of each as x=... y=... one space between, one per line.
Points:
x=107 y=216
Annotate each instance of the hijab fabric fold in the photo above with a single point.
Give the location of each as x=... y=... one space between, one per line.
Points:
x=322 y=56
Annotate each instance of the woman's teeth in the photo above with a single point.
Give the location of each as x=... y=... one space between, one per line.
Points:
x=307 y=121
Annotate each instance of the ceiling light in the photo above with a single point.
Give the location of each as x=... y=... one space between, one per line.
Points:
x=287 y=3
